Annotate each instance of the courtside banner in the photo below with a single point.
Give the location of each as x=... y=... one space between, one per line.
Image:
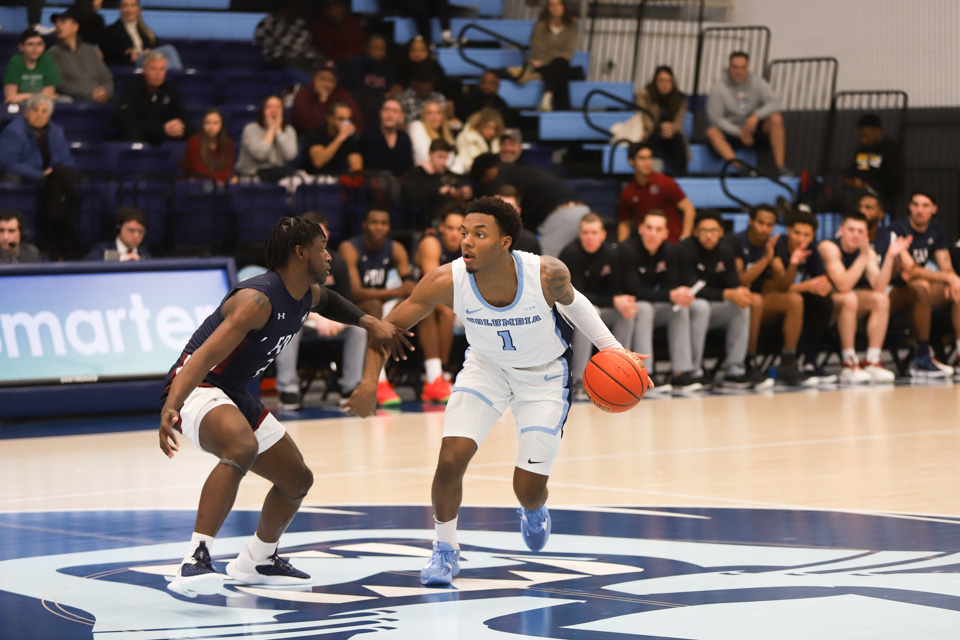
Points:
x=81 y=322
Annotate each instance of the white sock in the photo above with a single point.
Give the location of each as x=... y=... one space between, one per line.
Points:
x=447 y=532
x=873 y=355
x=849 y=356
x=195 y=541
x=260 y=550
x=433 y=368
x=446 y=34
x=957 y=352
x=383 y=376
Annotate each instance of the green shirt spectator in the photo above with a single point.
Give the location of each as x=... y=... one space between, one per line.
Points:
x=30 y=71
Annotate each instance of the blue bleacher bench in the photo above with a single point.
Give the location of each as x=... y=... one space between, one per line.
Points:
x=404 y=29
x=208 y=25
x=580 y=89
x=453 y=64
x=570 y=125
x=482 y=7
x=702 y=159
x=706 y=192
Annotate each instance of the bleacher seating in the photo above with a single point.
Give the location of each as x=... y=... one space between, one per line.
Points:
x=404 y=29
x=453 y=63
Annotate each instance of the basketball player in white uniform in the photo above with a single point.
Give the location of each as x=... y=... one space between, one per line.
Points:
x=519 y=357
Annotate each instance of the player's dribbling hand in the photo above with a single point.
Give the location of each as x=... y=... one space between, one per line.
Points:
x=362 y=402
x=169 y=443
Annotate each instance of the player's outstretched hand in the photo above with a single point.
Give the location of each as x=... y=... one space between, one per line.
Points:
x=169 y=443
x=362 y=402
x=390 y=338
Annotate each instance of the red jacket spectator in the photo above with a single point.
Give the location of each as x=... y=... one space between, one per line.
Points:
x=651 y=190
x=310 y=108
x=219 y=165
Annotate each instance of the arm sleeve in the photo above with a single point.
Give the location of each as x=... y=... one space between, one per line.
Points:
x=715 y=115
x=584 y=317
x=770 y=102
x=335 y=307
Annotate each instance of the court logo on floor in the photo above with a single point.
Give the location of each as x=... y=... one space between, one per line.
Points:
x=709 y=574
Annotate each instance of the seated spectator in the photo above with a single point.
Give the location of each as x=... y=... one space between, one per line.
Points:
x=209 y=153
x=552 y=45
x=14 y=248
x=334 y=149
x=125 y=247
x=650 y=190
x=286 y=40
x=663 y=99
x=511 y=146
x=435 y=331
x=371 y=77
x=481 y=134
x=30 y=71
x=432 y=125
x=430 y=185
x=83 y=75
x=860 y=278
x=422 y=89
x=313 y=101
x=743 y=111
x=528 y=240
x=33 y=149
x=268 y=144
x=705 y=258
x=387 y=147
x=419 y=61
x=551 y=207
x=595 y=272
x=91 y=22
x=337 y=34
x=877 y=165
x=151 y=108
x=484 y=95
x=422 y=12
x=127 y=41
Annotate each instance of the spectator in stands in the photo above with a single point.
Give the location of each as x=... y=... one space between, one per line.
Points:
x=528 y=240
x=30 y=71
x=125 y=247
x=705 y=258
x=286 y=40
x=664 y=131
x=511 y=146
x=484 y=95
x=551 y=207
x=83 y=75
x=370 y=257
x=337 y=34
x=430 y=185
x=480 y=135
x=552 y=45
x=755 y=248
x=860 y=279
x=14 y=248
x=209 y=152
x=127 y=41
x=268 y=144
x=928 y=271
x=435 y=331
x=651 y=274
x=877 y=166
x=387 y=147
x=91 y=22
x=431 y=126
x=417 y=59
x=334 y=149
x=651 y=190
x=422 y=89
x=798 y=268
x=422 y=11
x=151 y=108
x=371 y=77
x=595 y=272
x=338 y=279
x=313 y=101
x=743 y=111
x=33 y=149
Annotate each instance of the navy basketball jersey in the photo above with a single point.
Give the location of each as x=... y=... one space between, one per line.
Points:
x=925 y=245
x=446 y=257
x=750 y=255
x=848 y=259
x=373 y=265
x=811 y=267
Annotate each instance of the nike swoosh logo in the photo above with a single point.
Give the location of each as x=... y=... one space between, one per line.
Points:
x=549 y=378
x=532 y=461
x=474 y=310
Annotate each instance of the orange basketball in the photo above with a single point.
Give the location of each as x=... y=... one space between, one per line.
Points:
x=615 y=380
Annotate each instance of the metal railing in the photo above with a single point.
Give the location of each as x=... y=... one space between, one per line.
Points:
x=615 y=98
x=724 y=175
x=495 y=36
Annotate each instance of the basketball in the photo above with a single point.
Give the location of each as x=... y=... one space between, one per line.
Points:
x=615 y=380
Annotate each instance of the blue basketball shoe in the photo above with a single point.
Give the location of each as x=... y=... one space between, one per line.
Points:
x=535 y=527
x=196 y=575
x=443 y=567
x=274 y=570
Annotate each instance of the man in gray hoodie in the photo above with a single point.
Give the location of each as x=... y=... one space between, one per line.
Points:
x=743 y=111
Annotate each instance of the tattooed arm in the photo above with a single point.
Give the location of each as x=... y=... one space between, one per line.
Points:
x=555 y=279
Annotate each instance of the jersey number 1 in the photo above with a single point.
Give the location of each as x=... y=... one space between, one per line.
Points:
x=507 y=340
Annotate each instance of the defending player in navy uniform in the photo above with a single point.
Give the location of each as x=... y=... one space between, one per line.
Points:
x=928 y=271
x=205 y=399
x=519 y=357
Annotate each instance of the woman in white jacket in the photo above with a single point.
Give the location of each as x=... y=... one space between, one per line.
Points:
x=431 y=126
x=480 y=135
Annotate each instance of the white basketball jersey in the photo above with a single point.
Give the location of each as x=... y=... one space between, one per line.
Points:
x=525 y=333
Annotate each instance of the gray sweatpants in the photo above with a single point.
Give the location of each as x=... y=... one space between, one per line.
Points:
x=737 y=323
x=288 y=380
x=651 y=315
x=560 y=228
x=621 y=328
